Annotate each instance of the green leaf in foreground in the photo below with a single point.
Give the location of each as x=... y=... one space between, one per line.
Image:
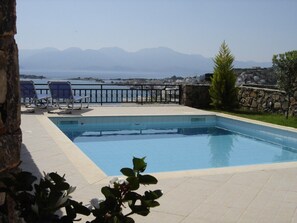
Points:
x=133 y=183
x=139 y=164
x=127 y=172
x=147 y=179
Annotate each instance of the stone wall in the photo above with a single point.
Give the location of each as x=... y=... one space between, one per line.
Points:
x=261 y=99
x=10 y=133
x=196 y=96
x=249 y=98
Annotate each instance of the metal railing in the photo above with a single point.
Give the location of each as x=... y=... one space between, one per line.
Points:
x=122 y=93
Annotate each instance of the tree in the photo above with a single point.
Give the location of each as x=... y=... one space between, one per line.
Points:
x=223 y=92
x=285 y=67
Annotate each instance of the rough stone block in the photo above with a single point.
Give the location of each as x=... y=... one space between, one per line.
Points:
x=10 y=150
x=254 y=104
x=3 y=85
x=10 y=114
x=275 y=97
x=253 y=94
x=285 y=105
x=277 y=105
x=261 y=93
x=7 y=17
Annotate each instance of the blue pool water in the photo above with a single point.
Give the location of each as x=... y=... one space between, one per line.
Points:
x=173 y=143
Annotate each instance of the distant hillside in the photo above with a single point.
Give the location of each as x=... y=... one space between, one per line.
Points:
x=153 y=60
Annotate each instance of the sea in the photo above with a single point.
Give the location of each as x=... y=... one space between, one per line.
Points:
x=106 y=76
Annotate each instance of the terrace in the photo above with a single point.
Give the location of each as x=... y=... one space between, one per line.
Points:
x=258 y=193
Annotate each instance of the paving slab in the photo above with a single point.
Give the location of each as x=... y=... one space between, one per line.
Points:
x=258 y=193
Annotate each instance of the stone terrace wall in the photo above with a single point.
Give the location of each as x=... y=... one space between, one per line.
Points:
x=196 y=96
x=249 y=98
x=261 y=99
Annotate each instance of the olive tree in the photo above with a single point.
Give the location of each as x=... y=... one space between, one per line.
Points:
x=223 y=92
x=285 y=67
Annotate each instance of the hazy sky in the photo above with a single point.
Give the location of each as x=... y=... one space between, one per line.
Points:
x=253 y=29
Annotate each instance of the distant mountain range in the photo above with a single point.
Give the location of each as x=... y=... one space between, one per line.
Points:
x=153 y=60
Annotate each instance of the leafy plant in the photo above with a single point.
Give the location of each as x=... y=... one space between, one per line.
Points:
x=285 y=67
x=40 y=202
x=223 y=92
x=121 y=192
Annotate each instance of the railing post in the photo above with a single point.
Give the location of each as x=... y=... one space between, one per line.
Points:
x=141 y=94
x=165 y=94
x=101 y=92
x=180 y=94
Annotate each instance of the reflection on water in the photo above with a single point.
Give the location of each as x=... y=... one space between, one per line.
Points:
x=220 y=140
x=74 y=133
x=221 y=144
x=286 y=154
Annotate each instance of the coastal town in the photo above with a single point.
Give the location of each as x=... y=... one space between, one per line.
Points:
x=245 y=76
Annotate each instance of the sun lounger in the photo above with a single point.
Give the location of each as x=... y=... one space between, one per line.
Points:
x=30 y=97
x=61 y=91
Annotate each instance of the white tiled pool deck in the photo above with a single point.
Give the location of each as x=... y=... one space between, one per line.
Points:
x=259 y=193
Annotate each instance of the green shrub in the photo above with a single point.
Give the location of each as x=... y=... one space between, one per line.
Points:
x=285 y=67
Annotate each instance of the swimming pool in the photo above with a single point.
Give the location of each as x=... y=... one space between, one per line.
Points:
x=173 y=143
